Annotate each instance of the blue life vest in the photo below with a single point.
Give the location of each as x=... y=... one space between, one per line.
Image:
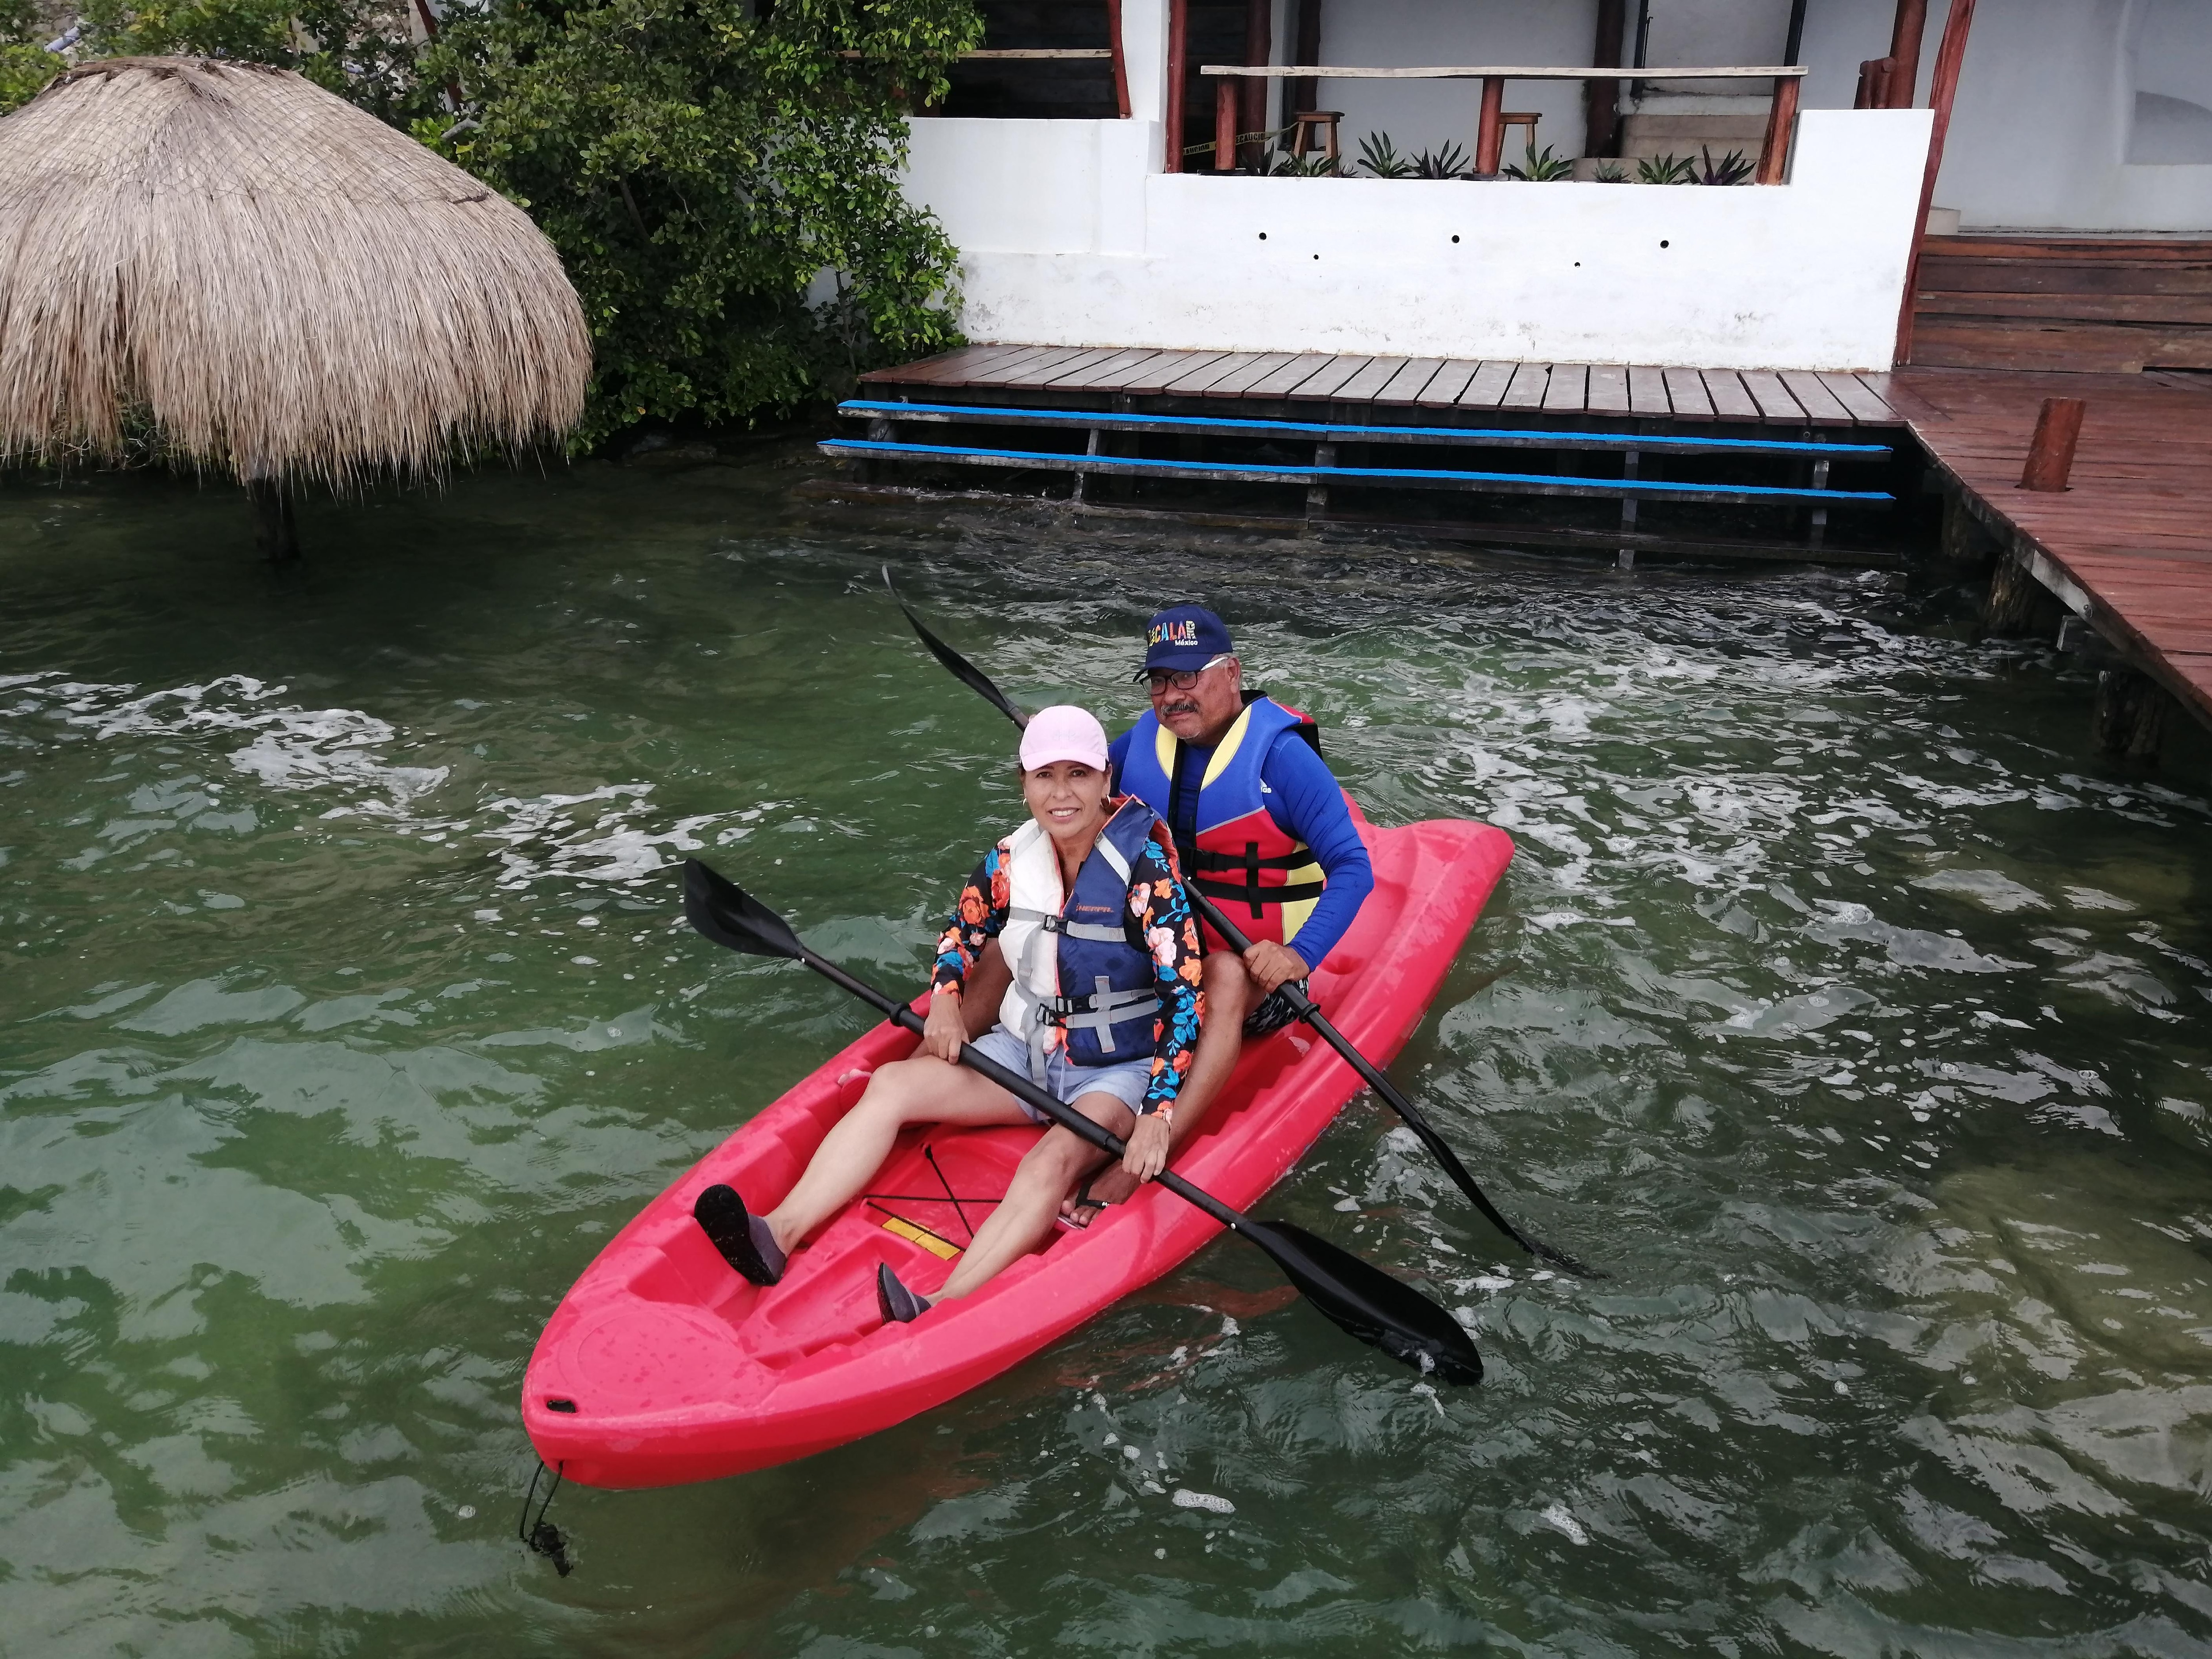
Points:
x=1082 y=975
x=1266 y=882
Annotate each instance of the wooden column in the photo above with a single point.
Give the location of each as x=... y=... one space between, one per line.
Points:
x=1602 y=98
x=1781 y=123
x=1178 y=42
x=1305 y=93
x=2050 y=452
x=1258 y=46
x=1490 y=131
x=1942 y=91
x=2131 y=712
x=1904 y=39
x=1121 y=58
x=1225 y=125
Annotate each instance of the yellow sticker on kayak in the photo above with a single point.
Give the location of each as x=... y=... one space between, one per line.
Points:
x=942 y=1248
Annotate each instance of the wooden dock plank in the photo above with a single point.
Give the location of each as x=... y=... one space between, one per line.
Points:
x=1568 y=391
x=994 y=359
x=1773 y=398
x=1449 y=382
x=1731 y=401
x=1198 y=379
x=1608 y=389
x=1647 y=391
x=1686 y=390
x=1487 y=384
x=1411 y=379
x=1823 y=405
x=946 y=368
x=1164 y=370
x=1378 y=372
x=1526 y=390
x=1856 y=396
x=1106 y=375
x=1337 y=372
x=1006 y=371
x=1051 y=367
x=1291 y=376
x=1238 y=384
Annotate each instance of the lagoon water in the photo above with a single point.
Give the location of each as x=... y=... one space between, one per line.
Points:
x=1840 y=1002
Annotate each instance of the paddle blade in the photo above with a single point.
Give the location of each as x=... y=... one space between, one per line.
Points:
x=1366 y=1303
x=729 y=916
x=960 y=668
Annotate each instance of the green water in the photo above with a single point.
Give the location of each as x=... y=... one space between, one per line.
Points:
x=1839 y=1001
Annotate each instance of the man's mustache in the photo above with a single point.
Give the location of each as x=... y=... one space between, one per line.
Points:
x=1179 y=709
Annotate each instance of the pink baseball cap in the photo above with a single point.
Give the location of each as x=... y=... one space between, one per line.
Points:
x=1063 y=733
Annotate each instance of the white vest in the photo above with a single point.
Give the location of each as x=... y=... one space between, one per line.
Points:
x=1029 y=941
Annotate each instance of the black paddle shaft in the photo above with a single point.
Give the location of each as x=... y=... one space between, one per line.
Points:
x=984 y=687
x=1357 y=1296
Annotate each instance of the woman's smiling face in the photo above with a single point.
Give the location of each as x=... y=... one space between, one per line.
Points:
x=1066 y=797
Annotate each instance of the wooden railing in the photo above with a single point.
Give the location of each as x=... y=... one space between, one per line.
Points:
x=1490 y=133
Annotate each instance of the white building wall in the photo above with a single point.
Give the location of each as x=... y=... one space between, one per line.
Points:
x=1062 y=244
x=2047 y=96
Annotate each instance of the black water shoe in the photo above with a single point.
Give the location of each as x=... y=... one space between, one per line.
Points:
x=898 y=1304
x=743 y=1237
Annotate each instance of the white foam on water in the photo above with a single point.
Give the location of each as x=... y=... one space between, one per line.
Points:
x=1557 y=1515
x=1185 y=1498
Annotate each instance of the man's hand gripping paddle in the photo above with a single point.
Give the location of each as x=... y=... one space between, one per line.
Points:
x=974 y=678
x=1366 y=1302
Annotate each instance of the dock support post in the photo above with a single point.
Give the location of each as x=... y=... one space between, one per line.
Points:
x=275 y=536
x=1966 y=546
x=2131 y=711
x=1631 y=466
x=1317 y=494
x=2015 y=600
x=1490 y=131
x=1817 y=532
x=1091 y=447
x=2050 y=452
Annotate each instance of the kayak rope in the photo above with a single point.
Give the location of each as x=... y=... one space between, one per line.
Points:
x=542 y=1535
x=929 y=1152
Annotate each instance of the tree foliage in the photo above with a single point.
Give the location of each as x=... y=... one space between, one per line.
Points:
x=720 y=176
x=723 y=187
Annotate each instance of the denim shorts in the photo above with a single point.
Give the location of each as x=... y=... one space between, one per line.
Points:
x=1063 y=1079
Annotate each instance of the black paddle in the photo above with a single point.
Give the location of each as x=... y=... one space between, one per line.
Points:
x=1366 y=1302
x=975 y=679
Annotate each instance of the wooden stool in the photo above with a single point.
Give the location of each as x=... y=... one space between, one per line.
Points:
x=1525 y=118
x=1306 y=122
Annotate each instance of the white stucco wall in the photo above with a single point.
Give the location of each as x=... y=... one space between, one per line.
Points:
x=1063 y=242
x=2039 y=136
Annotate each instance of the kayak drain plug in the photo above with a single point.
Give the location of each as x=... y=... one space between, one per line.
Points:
x=542 y=1537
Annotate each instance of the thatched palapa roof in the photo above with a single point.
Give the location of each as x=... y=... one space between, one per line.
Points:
x=286 y=286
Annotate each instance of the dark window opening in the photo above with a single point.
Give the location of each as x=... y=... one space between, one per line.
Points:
x=1038 y=89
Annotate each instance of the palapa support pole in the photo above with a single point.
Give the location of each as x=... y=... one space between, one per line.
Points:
x=275 y=535
x=1305 y=91
x=1942 y=91
x=2050 y=452
x=1178 y=43
x=1781 y=123
x=1490 y=131
x=1224 y=125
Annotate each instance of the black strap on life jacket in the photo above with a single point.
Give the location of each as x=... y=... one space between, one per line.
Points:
x=1250 y=890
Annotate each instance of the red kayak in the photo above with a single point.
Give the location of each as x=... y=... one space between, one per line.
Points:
x=661 y=1365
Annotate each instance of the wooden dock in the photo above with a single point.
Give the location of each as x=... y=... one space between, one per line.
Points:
x=2127 y=550
x=2128 y=547
x=1636 y=391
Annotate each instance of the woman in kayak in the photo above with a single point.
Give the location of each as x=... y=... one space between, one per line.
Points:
x=1085 y=894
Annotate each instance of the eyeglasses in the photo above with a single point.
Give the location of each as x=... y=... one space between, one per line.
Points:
x=1181 y=679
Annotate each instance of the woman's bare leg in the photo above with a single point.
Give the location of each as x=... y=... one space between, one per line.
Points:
x=922 y=1090
x=1047 y=1173
x=1228 y=998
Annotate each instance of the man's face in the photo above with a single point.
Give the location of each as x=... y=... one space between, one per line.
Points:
x=1204 y=712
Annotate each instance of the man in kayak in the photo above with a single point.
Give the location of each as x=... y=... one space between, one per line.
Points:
x=1085 y=894
x=1262 y=830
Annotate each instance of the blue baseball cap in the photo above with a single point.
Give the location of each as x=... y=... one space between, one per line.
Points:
x=1184 y=636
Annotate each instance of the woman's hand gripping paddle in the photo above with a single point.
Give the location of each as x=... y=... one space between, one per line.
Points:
x=977 y=681
x=1366 y=1302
